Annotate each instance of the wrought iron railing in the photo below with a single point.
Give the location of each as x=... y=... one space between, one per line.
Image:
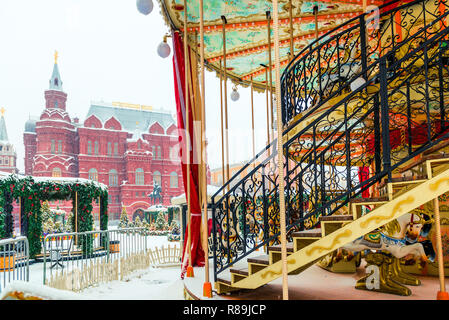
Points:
x=396 y=112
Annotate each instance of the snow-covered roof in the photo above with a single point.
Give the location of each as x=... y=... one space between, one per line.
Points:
x=59 y=180
x=157 y=207
x=70 y=180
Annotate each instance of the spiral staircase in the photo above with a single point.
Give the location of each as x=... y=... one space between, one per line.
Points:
x=368 y=96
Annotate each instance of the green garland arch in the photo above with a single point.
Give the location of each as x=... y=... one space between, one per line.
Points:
x=34 y=190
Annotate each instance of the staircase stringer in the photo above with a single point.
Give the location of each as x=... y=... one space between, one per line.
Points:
x=410 y=200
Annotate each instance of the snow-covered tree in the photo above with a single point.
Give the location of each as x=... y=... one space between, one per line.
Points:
x=124 y=221
x=161 y=224
x=69 y=223
x=138 y=222
x=46 y=211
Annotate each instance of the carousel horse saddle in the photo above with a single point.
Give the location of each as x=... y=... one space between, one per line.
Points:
x=372 y=239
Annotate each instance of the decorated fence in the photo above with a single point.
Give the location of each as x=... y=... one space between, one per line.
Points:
x=114 y=255
x=14 y=260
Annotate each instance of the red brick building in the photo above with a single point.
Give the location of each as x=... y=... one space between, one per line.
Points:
x=127 y=147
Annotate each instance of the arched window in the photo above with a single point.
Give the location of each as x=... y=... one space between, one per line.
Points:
x=93 y=174
x=159 y=156
x=115 y=149
x=173 y=180
x=140 y=177
x=52 y=146
x=59 y=146
x=89 y=147
x=96 y=147
x=109 y=149
x=157 y=178
x=113 y=178
x=56 y=172
x=154 y=152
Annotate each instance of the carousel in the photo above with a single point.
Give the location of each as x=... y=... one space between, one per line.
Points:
x=359 y=90
x=354 y=177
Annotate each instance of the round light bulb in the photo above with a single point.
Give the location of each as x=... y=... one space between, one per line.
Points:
x=144 y=6
x=235 y=95
x=163 y=49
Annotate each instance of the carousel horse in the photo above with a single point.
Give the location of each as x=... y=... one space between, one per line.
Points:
x=395 y=240
x=398 y=237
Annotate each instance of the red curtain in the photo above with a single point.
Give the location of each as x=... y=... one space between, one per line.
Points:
x=418 y=135
x=364 y=175
x=179 y=80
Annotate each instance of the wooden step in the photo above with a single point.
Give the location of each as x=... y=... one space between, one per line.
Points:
x=311 y=233
x=241 y=271
x=356 y=202
x=263 y=259
x=332 y=223
x=437 y=147
x=336 y=218
x=403 y=180
x=422 y=160
x=225 y=278
x=302 y=239
x=277 y=248
x=369 y=200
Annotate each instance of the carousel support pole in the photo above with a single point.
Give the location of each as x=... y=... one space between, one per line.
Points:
x=442 y=293
x=76 y=218
x=268 y=114
x=270 y=66
x=315 y=14
x=268 y=107
x=222 y=133
x=225 y=93
x=20 y=216
x=290 y=13
x=252 y=122
x=207 y=287
x=99 y=213
x=280 y=154
x=189 y=272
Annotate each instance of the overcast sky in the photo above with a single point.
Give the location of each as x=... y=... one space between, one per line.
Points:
x=107 y=52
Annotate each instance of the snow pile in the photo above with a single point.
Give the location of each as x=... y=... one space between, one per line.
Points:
x=40 y=291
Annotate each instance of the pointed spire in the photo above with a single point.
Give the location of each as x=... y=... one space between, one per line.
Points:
x=3 y=132
x=55 y=81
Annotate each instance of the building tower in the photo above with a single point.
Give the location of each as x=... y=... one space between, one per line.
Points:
x=56 y=143
x=8 y=154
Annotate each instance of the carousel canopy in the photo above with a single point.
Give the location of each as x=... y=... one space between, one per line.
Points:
x=247 y=31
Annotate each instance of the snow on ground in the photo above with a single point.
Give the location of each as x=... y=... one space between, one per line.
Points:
x=152 y=283
x=149 y=284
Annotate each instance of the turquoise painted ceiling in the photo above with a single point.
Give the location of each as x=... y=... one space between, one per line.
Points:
x=247 y=30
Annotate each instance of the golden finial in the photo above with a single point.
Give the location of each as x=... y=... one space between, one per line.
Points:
x=56 y=56
x=2 y=110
